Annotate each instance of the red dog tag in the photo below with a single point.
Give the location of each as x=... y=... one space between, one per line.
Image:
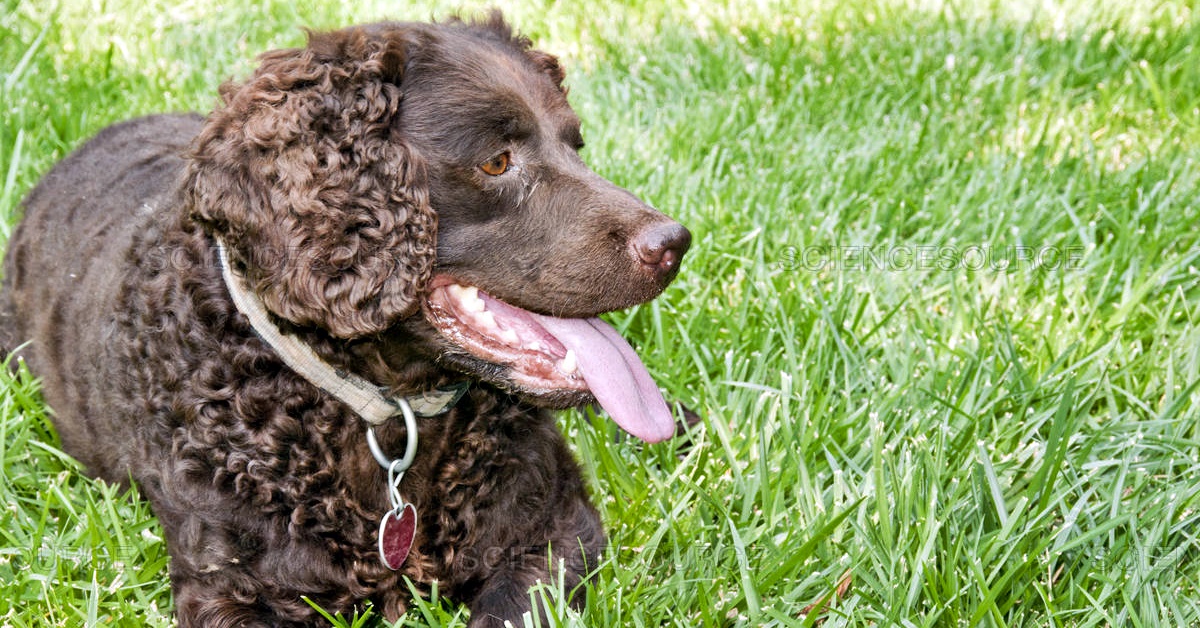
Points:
x=396 y=533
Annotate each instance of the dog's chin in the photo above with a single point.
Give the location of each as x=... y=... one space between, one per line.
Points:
x=515 y=382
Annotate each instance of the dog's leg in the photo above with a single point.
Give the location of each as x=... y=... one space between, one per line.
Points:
x=566 y=552
x=224 y=602
x=213 y=582
x=505 y=596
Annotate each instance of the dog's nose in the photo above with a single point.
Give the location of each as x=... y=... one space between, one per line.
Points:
x=660 y=247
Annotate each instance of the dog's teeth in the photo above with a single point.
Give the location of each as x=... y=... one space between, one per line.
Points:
x=570 y=363
x=467 y=297
x=534 y=346
x=486 y=320
x=471 y=301
x=509 y=337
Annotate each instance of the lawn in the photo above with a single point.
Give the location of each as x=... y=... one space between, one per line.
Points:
x=941 y=316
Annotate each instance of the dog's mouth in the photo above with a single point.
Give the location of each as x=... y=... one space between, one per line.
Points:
x=546 y=355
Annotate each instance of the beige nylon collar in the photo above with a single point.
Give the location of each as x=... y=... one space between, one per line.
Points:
x=366 y=399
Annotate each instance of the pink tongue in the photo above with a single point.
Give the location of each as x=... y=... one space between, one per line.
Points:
x=616 y=376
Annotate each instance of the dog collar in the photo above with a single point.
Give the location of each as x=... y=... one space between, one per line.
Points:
x=398 y=527
x=366 y=399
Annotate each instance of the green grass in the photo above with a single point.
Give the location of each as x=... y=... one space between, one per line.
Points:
x=974 y=444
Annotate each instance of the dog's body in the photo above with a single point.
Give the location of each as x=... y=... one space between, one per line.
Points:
x=332 y=175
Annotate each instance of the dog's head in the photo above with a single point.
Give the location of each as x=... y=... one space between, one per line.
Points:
x=414 y=175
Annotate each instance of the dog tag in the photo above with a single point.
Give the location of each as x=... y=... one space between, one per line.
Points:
x=396 y=533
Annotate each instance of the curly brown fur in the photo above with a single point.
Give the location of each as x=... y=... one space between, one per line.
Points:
x=342 y=238
x=346 y=179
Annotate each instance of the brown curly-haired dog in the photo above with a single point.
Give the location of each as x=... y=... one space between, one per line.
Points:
x=405 y=200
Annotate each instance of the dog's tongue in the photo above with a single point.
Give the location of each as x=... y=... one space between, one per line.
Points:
x=616 y=376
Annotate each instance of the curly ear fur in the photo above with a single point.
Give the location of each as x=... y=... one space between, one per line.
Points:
x=304 y=173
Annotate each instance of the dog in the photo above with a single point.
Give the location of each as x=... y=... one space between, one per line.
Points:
x=323 y=327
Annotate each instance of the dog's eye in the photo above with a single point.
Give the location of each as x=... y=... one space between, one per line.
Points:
x=497 y=165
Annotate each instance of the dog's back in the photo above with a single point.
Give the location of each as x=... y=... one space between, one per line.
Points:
x=64 y=265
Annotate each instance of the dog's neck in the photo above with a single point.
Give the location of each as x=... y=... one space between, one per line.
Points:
x=366 y=399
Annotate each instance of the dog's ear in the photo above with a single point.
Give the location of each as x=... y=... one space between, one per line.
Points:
x=305 y=174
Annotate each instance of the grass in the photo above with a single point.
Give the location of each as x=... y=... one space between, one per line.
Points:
x=941 y=317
